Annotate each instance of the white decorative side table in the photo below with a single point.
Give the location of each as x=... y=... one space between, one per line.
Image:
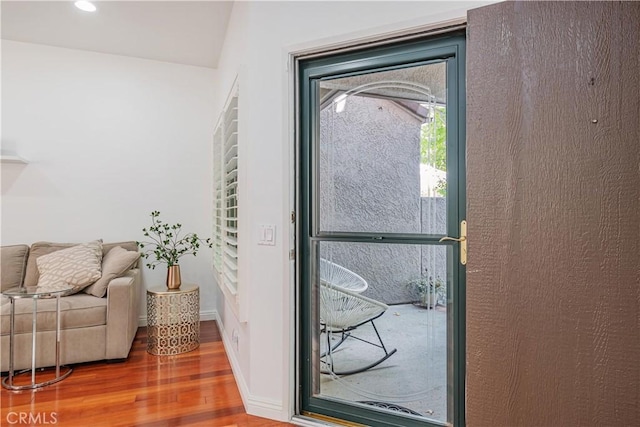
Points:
x=173 y=320
x=34 y=293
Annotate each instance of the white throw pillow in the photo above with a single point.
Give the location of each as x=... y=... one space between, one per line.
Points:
x=78 y=266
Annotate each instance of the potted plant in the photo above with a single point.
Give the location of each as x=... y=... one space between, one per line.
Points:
x=167 y=246
x=428 y=289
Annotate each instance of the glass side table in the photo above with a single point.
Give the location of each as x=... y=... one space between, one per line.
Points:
x=173 y=320
x=34 y=293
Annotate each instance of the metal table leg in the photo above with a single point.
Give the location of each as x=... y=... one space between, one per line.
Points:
x=9 y=381
x=12 y=325
x=57 y=336
x=33 y=341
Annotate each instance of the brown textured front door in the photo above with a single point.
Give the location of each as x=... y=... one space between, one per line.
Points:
x=553 y=203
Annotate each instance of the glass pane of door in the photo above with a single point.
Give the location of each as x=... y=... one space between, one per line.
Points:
x=383 y=157
x=384 y=327
x=383 y=323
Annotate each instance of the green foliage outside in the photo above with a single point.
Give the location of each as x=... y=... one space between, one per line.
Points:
x=433 y=144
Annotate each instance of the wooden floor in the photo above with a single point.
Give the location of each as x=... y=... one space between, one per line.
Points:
x=191 y=389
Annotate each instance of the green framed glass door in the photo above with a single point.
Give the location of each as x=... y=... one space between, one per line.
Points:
x=381 y=297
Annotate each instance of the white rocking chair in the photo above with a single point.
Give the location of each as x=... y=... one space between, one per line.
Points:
x=339 y=276
x=342 y=310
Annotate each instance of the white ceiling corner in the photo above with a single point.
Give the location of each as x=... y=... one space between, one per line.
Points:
x=183 y=32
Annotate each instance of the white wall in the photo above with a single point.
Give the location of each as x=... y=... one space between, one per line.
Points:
x=108 y=139
x=259 y=40
x=232 y=55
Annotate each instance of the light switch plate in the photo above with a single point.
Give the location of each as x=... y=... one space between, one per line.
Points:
x=267 y=235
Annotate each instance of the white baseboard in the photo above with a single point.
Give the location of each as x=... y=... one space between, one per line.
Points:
x=208 y=315
x=253 y=405
x=235 y=365
x=266 y=408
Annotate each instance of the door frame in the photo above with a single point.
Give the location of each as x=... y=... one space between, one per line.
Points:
x=455 y=203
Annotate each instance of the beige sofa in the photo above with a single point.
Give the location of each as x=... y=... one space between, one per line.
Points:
x=92 y=328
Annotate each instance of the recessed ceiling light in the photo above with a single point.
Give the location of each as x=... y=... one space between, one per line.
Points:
x=87 y=6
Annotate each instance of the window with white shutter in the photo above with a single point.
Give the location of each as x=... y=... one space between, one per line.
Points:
x=225 y=183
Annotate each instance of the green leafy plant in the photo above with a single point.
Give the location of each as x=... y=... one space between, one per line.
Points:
x=433 y=145
x=426 y=286
x=167 y=245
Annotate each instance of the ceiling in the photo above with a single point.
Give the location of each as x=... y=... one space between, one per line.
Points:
x=183 y=32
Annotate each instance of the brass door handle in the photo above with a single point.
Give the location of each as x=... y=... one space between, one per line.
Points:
x=455 y=239
x=462 y=240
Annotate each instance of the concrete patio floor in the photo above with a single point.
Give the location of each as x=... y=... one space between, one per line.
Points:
x=415 y=377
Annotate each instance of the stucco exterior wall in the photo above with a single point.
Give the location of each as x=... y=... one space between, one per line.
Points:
x=370 y=182
x=369 y=162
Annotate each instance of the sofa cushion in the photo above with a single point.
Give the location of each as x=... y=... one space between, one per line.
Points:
x=76 y=311
x=37 y=250
x=115 y=263
x=13 y=265
x=43 y=248
x=78 y=266
x=130 y=246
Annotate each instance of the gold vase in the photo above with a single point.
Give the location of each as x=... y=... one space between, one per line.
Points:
x=173 y=277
